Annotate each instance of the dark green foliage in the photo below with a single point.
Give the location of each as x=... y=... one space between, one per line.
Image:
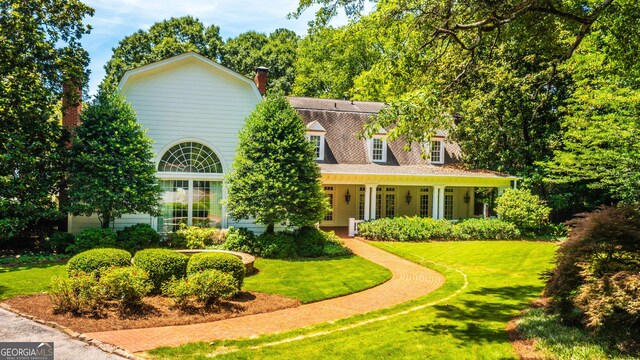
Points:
x=94 y=238
x=127 y=285
x=59 y=241
x=161 y=265
x=274 y=178
x=487 y=229
x=226 y=263
x=195 y=237
x=33 y=258
x=40 y=52
x=240 y=239
x=596 y=269
x=313 y=242
x=422 y=229
x=279 y=245
x=112 y=170
x=277 y=52
x=164 y=39
x=98 y=260
x=137 y=237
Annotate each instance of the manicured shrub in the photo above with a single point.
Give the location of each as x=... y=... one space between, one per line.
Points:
x=98 y=260
x=195 y=237
x=205 y=287
x=408 y=229
x=78 y=293
x=278 y=245
x=523 y=209
x=127 y=285
x=240 y=239
x=92 y=239
x=226 y=263
x=313 y=242
x=59 y=241
x=487 y=229
x=138 y=237
x=161 y=265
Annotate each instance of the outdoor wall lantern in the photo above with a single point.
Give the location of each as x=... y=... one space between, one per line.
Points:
x=347 y=197
x=467 y=197
x=408 y=197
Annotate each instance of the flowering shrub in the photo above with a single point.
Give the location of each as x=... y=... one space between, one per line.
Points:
x=195 y=237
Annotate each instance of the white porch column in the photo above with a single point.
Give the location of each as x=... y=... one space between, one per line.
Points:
x=367 y=203
x=502 y=189
x=373 y=197
x=437 y=208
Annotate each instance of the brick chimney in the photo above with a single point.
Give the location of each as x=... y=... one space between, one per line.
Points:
x=71 y=106
x=261 y=79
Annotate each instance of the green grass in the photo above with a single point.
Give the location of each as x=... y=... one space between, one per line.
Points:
x=562 y=342
x=316 y=279
x=28 y=279
x=457 y=321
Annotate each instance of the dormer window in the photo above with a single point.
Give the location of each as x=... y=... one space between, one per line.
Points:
x=437 y=151
x=378 y=146
x=315 y=134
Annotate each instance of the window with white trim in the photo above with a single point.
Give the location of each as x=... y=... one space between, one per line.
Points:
x=378 y=149
x=424 y=202
x=329 y=191
x=437 y=152
x=317 y=140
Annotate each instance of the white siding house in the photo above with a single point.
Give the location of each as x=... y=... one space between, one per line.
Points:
x=191 y=107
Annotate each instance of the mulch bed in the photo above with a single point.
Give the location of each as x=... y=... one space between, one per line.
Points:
x=156 y=311
x=525 y=348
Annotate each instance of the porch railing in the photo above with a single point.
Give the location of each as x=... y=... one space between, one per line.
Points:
x=353 y=226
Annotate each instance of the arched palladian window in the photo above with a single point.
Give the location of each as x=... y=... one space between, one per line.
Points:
x=190 y=157
x=191 y=176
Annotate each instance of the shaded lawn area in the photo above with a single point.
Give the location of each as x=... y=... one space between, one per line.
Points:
x=315 y=279
x=305 y=280
x=28 y=279
x=454 y=322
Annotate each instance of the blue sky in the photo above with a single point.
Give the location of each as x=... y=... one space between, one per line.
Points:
x=115 y=19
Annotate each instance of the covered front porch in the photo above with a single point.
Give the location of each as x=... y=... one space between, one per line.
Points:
x=367 y=197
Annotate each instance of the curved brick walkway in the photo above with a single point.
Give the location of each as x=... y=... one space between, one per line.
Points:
x=409 y=281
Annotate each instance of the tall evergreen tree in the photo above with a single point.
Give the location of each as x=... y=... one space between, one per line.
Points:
x=40 y=51
x=112 y=170
x=274 y=178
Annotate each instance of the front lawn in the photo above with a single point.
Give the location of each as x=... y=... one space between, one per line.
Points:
x=488 y=283
x=316 y=279
x=305 y=280
x=28 y=279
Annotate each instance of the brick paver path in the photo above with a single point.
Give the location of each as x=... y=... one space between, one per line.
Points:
x=409 y=281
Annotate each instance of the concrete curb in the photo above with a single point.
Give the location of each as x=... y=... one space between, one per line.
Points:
x=108 y=348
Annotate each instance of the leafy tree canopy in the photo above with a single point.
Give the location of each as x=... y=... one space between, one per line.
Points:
x=274 y=178
x=112 y=170
x=251 y=49
x=163 y=39
x=40 y=51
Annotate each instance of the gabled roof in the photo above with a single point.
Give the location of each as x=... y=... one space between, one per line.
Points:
x=315 y=126
x=177 y=60
x=335 y=105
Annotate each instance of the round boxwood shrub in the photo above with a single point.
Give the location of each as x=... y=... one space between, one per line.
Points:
x=227 y=263
x=522 y=208
x=138 y=237
x=95 y=238
x=97 y=260
x=161 y=265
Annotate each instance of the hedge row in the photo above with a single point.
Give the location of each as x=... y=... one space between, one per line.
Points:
x=422 y=229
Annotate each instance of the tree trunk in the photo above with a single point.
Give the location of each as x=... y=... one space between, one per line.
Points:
x=270 y=228
x=105 y=220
